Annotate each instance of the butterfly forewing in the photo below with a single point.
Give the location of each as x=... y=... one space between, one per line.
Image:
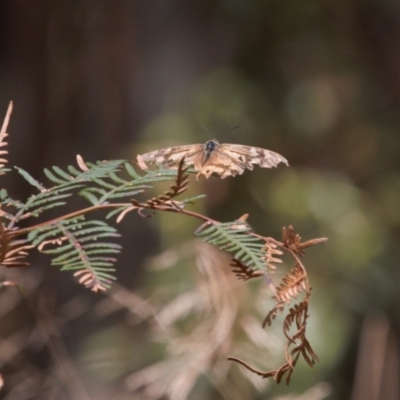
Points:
x=249 y=155
x=172 y=155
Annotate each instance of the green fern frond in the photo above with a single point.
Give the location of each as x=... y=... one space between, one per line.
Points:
x=103 y=181
x=6 y=203
x=192 y=200
x=42 y=201
x=118 y=210
x=234 y=237
x=114 y=186
x=29 y=178
x=94 y=171
x=75 y=245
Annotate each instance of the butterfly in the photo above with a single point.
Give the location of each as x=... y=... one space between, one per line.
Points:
x=221 y=159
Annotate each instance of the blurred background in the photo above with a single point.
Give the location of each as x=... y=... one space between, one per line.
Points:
x=316 y=81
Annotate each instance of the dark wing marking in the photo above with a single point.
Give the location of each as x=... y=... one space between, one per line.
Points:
x=249 y=155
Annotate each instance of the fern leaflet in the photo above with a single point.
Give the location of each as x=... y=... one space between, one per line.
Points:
x=234 y=237
x=75 y=245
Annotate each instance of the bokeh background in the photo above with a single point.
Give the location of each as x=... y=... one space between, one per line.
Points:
x=318 y=82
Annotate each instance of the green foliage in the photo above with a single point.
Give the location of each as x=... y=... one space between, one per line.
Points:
x=236 y=238
x=71 y=240
x=75 y=245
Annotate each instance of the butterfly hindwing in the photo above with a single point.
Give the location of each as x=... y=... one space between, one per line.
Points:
x=223 y=164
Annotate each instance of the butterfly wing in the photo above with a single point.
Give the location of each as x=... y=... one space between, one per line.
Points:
x=233 y=159
x=223 y=160
x=249 y=155
x=173 y=155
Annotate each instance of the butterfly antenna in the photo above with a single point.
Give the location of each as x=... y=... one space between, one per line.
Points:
x=206 y=129
x=230 y=129
x=222 y=133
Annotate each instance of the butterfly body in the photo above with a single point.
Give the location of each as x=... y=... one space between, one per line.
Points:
x=209 y=149
x=222 y=159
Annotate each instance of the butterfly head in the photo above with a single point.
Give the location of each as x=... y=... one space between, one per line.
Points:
x=211 y=145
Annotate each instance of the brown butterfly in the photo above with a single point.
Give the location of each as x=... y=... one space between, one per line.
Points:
x=214 y=158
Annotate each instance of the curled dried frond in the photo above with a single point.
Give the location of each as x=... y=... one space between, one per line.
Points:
x=292 y=241
x=279 y=307
x=296 y=346
x=292 y=284
x=297 y=314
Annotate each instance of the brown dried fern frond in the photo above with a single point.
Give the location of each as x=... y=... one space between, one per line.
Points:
x=292 y=241
x=298 y=315
x=278 y=308
x=90 y=280
x=273 y=253
x=12 y=252
x=292 y=284
x=180 y=186
x=243 y=272
x=277 y=374
x=3 y=135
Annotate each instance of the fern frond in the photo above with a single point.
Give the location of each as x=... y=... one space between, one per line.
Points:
x=293 y=283
x=8 y=203
x=114 y=186
x=295 y=321
x=298 y=315
x=235 y=238
x=278 y=308
x=12 y=252
x=42 y=201
x=292 y=241
x=243 y=272
x=181 y=185
x=30 y=179
x=94 y=171
x=74 y=245
x=273 y=253
x=3 y=135
x=91 y=280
